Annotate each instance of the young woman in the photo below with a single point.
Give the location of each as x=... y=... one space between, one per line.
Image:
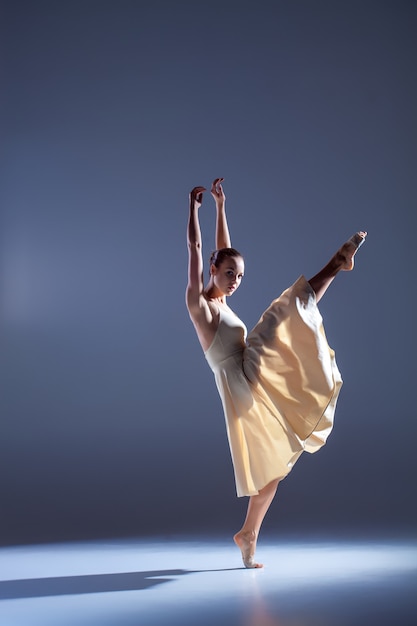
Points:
x=279 y=383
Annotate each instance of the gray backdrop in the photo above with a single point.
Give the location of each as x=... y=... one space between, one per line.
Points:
x=111 y=111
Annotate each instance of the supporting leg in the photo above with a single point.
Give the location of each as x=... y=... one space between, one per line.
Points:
x=342 y=260
x=247 y=537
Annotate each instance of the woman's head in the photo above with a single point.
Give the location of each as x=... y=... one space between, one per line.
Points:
x=226 y=269
x=218 y=256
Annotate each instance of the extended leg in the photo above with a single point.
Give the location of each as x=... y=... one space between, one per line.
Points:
x=342 y=260
x=247 y=537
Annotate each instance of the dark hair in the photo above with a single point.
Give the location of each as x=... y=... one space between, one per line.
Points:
x=218 y=256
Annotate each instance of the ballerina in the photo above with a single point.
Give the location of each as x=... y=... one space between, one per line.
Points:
x=278 y=384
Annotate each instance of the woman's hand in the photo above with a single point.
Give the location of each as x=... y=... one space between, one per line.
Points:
x=217 y=191
x=196 y=197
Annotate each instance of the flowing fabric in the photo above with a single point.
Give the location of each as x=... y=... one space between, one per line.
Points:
x=278 y=385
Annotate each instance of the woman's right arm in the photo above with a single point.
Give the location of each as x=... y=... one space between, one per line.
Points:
x=195 y=284
x=204 y=320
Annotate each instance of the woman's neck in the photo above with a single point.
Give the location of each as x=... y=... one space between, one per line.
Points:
x=214 y=295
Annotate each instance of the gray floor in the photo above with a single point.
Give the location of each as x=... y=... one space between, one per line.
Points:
x=201 y=582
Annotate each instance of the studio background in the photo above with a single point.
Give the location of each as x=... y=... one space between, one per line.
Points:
x=110 y=113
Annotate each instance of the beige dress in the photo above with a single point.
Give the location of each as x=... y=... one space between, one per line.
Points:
x=278 y=386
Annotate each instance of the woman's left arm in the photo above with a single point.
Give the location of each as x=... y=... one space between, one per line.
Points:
x=222 y=229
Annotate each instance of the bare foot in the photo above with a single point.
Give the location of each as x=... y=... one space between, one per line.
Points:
x=345 y=255
x=246 y=542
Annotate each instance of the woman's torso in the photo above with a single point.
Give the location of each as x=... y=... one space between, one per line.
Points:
x=229 y=340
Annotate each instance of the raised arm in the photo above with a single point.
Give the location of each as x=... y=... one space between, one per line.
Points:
x=195 y=258
x=222 y=230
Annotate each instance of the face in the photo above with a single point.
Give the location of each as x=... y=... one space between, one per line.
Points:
x=228 y=276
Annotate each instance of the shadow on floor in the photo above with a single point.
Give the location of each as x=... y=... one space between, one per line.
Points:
x=91 y=583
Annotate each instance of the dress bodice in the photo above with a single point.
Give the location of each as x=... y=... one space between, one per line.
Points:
x=229 y=340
